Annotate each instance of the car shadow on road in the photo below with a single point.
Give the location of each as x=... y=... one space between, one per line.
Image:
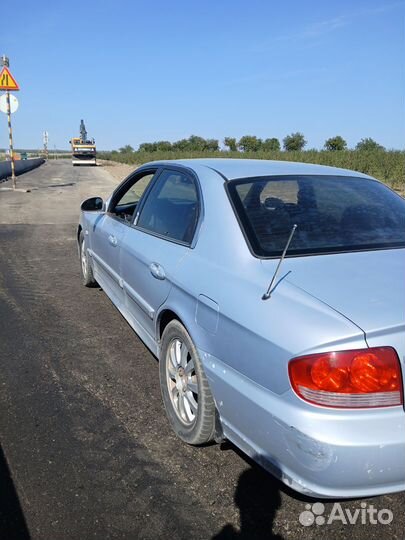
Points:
x=12 y=521
x=257 y=496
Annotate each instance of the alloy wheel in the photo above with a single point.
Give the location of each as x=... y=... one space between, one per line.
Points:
x=182 y=381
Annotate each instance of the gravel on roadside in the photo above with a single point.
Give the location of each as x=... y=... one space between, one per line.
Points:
x=118 y=170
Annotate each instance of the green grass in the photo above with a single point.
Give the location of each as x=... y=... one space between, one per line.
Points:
x=386 y=165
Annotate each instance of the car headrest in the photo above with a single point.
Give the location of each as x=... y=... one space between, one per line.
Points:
x=272 y=203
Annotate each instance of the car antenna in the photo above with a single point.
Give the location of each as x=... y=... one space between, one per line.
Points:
x=267 y=294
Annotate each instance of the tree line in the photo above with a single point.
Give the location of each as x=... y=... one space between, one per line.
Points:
x=295 y=142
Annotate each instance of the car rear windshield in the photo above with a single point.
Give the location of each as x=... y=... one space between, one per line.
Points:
x=332 y=214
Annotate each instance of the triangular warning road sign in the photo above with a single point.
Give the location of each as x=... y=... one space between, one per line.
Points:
x=7 y=81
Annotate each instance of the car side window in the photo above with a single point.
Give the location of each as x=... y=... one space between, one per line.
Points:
x=171 y=209
x=128 y=199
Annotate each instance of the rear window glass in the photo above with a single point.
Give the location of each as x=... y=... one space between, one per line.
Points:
x=332 y=214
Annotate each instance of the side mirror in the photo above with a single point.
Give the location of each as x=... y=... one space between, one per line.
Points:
x=94 y=204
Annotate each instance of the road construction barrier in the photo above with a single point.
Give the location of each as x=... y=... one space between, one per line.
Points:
x=20 y=167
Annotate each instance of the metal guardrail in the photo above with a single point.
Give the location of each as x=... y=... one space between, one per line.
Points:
x=20 y=167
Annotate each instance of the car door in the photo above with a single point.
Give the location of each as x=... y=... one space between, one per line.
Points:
x=161 y=236
x=109 y=230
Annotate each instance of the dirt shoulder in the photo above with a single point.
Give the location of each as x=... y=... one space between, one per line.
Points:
x=117 y=170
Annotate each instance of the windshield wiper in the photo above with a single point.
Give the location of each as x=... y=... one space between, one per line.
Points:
x=267 y=294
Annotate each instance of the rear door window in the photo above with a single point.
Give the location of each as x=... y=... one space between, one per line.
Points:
x=171 y=208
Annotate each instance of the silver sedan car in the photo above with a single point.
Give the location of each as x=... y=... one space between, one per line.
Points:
x=273 y=295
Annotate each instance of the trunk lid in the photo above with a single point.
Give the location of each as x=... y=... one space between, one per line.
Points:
x=366 y=287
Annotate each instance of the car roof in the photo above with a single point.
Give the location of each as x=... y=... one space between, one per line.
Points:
x=243 y=168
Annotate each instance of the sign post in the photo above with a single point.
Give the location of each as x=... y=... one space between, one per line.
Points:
x=10 y=139
x=7 y=83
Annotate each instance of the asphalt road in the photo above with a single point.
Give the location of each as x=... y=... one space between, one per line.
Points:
x=86 y=448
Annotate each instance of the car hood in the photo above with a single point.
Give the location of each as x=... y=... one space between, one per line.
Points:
x=366 y=287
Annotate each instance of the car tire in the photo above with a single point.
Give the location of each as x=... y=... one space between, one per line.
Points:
x=86 y=270
x=187 y=397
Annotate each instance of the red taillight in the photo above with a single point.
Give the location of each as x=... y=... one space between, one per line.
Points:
x=360 y=378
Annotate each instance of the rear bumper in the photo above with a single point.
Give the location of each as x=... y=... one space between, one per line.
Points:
x=324 y=453
x=91 y=161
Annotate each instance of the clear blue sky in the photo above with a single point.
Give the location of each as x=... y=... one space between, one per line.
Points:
x=145 y=70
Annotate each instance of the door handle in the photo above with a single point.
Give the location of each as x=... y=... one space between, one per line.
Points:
x=157 y=271
x=113 y=240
